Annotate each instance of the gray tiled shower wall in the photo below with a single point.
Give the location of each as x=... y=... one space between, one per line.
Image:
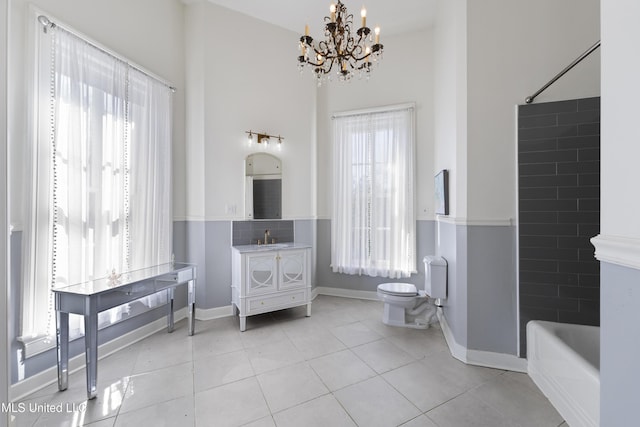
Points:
x=248 y=232
x=559 y=212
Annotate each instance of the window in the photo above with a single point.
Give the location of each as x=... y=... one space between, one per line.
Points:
x=99 y=178
x=373 y=224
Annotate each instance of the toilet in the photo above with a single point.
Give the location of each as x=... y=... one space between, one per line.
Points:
x=408 y=307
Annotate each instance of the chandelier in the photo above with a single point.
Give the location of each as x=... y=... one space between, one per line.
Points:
x=341 y=51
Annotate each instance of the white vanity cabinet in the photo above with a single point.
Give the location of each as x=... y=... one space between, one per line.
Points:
x=265 y=279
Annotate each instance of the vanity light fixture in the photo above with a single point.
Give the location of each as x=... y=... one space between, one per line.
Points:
x=263 y=138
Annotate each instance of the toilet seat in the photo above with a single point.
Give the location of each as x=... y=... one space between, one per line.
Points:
x=398 y=289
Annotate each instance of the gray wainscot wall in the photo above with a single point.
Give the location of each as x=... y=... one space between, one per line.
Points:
x=481 y=305
x=619 y=332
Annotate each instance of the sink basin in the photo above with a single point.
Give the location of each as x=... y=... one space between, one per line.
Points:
x=274 y=246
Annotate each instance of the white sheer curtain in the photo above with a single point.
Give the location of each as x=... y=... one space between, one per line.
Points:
x=373 y=223
x=150 y=220
x=100 y=176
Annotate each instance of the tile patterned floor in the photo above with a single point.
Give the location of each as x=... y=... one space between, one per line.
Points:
x=340 y=367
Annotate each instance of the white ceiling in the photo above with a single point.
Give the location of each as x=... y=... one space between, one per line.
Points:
x=393 y=17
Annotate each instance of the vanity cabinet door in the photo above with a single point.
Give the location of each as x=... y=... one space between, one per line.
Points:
x=293 y=269
x=261 y=273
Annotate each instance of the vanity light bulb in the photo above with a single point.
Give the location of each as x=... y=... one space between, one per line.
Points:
x=250 y=139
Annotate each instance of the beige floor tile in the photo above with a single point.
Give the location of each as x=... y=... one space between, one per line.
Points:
x=109 y=422
x=178 y=412
x=274 y=355
x=261 y=333
x=262 y=422
x=420 y=345
x=110 y=395
x=374 y=403
x=382 y=355
x=517 y=402
x=354 y=334
x=24 y=412
x=421 y=421
x=290 y=386
x=320 y=412
x=317 y=343
x=220 y=339
x=422 y=385
x=232 y=404
x=468 y=411
x=158 y=386
x=341 y=369
x=226 y=368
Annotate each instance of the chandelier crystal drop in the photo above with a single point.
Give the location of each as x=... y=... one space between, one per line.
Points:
x=341 y=53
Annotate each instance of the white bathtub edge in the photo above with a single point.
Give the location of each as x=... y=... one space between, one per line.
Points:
x=487 y=359
x=566 y=408
x=572 y=410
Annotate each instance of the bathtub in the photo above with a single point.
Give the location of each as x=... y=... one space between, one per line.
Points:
x=564 y=362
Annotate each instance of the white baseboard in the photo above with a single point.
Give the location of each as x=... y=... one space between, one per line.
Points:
x=487 y=359
x=345 y=293
x=214 y=313
x=49 y=376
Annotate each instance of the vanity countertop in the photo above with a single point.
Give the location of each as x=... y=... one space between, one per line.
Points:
x=270 y=247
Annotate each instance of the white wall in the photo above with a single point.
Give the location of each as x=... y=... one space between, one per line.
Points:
x=148 y=32
x=4 y=220
x=245 y=69
x=620 y=132
x=195 y=74
x=514 y=47
x=619 y=241
x=450 y=99
x=404 y=75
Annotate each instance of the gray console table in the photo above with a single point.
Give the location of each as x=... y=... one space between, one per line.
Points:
x=92 y=297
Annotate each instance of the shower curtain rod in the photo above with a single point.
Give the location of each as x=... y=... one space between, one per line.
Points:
x=47 y=23
x=529 y=99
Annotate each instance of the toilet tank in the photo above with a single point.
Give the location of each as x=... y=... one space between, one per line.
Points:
x=435 y=281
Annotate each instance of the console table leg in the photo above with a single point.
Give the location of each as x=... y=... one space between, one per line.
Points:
x=243 y=323
x=91 y=350
x=170 y=323
x=62 y=341
x=192 y=305
x=308 y=309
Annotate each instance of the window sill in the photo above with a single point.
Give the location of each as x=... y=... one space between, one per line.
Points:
x=32 y=346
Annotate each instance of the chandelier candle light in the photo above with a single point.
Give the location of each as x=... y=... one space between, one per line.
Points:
x=351 y=55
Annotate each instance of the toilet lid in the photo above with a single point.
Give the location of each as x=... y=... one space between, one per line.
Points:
x=398 y=289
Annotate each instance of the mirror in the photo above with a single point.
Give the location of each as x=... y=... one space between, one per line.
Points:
x=263 y=186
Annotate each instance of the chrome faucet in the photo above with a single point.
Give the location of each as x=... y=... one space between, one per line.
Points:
x=267 y=233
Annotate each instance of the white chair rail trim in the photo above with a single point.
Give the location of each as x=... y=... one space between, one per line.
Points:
x=487 y=222
x=620 y=250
